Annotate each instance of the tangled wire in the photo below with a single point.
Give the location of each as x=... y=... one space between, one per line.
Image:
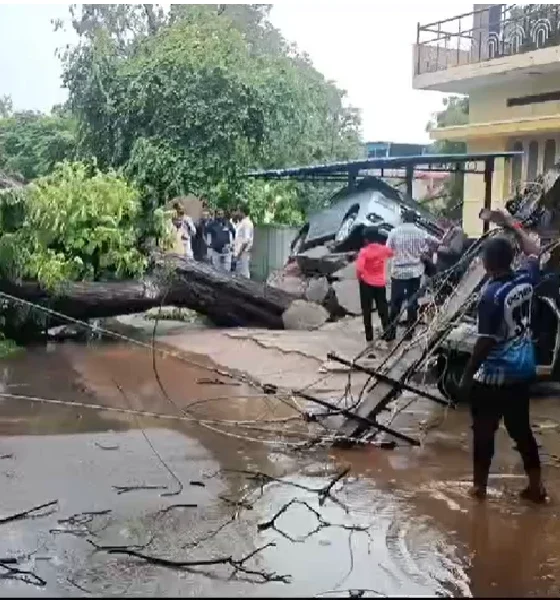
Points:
x=303 y=428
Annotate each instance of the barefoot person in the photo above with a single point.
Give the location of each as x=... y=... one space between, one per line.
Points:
x=370 y=270
x=502 y=366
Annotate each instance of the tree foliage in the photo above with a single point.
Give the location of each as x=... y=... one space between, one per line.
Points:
x=162 y=102
x=455 y=112
x=32 y=143
x=6 y=106
x=75 y=224
x=187 y=100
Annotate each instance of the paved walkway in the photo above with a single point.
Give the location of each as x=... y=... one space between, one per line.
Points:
x=292 y=359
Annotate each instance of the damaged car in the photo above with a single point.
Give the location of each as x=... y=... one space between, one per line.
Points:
x=371 y=202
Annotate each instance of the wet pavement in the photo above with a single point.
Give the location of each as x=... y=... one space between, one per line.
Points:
x=400 y=522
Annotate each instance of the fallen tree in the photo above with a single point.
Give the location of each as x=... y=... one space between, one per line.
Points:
x=225 y=299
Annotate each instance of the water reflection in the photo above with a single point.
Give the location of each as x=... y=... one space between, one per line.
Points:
x=424 y=535
x=513 y=551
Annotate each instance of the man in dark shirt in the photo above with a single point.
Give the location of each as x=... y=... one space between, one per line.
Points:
x=200 y=248
x=221 y=234
x=502 y=365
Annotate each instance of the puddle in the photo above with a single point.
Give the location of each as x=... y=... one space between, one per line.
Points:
x=404 y=524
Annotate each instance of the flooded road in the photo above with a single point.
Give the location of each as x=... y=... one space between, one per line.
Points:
x=169 y=471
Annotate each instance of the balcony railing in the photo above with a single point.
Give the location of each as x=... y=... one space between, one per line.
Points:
x=493 y=32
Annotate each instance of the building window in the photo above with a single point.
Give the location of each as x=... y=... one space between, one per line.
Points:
x=549 y=155
x=494 y=18
x=533 y=161
x=516 y=165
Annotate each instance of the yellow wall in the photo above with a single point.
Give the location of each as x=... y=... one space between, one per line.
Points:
x=473 y=197
x=487 y=105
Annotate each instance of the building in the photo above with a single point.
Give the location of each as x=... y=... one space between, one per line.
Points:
x=507 y=59
x=388 y=149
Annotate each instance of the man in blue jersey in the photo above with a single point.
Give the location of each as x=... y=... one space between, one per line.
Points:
x=502 y=365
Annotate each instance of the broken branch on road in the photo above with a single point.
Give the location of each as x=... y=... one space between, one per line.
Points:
x=171 y=507
x=21 y=575
x=215 y=381
x=78 y=586
x=78 y=523
x=321 y=522
x=121 y=547
x=323 y=492
x=238 y=565
x=28 y=514
x=84 y=517
x=124 y=489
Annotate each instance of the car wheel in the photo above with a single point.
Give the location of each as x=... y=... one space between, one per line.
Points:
x=345 y=227
x=449 y=383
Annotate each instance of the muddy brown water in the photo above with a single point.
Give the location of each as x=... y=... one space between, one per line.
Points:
x=405 y=525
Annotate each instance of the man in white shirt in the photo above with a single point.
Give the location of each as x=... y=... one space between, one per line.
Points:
x=243 y=243
x=410 y=245
x=186 y=229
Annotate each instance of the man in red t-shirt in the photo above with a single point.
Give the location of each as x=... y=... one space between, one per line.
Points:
x=370 y=269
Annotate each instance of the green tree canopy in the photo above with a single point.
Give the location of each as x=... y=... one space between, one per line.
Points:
x=186 y=101
x=455 y=112
x=74 y=224
x=32 y=143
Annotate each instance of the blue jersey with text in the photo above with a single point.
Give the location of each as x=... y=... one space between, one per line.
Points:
x=504 y=314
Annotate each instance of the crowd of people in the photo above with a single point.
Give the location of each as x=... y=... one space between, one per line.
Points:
x=496 y=381
x=223 y=241
x=412 y=253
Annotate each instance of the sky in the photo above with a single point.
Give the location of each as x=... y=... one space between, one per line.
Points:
x=364 y=47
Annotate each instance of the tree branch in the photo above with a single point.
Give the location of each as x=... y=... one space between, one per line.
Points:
x=238 y=565
x=21 y=575
x=28 y=513
x=124 y=489
x=321 y=522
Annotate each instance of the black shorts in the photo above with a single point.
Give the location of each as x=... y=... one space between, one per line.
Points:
x=496 y=400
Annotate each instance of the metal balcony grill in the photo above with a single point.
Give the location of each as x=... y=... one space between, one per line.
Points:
x=499 y=30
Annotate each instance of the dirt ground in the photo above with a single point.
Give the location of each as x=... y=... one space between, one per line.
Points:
x=90 y=429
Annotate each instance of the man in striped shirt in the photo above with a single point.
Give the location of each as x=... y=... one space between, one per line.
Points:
x=410 y=245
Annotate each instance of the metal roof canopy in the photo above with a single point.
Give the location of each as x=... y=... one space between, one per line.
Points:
x=349 y=171
x=440 y=162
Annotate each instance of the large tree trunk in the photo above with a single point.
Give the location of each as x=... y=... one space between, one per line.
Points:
x=226 y=300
